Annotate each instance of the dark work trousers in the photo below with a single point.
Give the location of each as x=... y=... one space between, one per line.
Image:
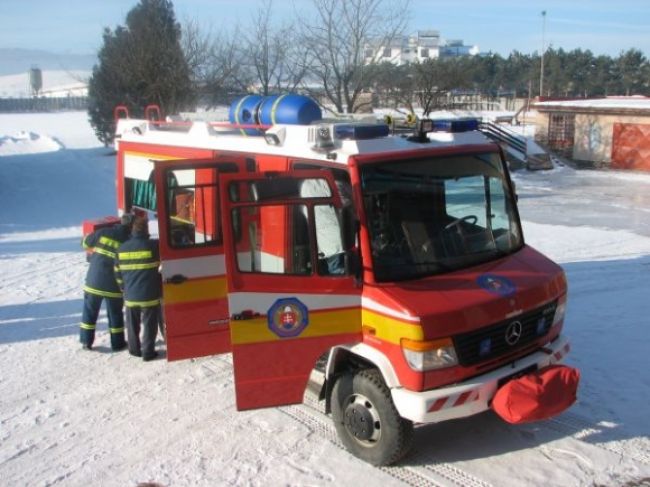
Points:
x=149 y=318
x=161 y=323
x=92 y=305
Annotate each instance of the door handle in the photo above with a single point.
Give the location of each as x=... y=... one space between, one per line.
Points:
x=246 y=314
x=176 y=279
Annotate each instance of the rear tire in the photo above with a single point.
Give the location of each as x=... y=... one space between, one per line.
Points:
x=366 y=419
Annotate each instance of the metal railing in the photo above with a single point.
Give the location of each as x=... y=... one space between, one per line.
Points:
x=499 y=134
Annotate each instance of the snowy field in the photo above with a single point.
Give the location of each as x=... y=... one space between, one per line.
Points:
x=75 y=418
x=54 y=83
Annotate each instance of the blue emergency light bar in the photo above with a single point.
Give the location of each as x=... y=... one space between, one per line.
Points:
x=425 y=126
x=360 y=131
x=455 y=125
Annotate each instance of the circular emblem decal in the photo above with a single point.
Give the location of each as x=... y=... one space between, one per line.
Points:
x=288 y=317
x=496 y=284
x=513 y=333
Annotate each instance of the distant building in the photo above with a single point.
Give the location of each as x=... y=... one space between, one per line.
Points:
x=456 y=48
x=423 y=45
x=612 y=132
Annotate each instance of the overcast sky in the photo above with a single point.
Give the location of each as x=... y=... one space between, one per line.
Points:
x=603 y=26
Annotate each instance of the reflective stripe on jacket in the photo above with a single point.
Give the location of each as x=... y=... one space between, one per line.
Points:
x=100 y=278
x=137 y=265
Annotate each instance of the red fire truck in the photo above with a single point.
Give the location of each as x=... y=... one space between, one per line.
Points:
x=398 y=261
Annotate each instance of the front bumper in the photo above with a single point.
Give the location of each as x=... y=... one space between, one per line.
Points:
x=474 y=395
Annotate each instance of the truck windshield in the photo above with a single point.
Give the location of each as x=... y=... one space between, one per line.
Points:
x=434 y=215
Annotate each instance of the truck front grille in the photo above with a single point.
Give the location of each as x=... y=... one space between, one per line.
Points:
x=505 y=337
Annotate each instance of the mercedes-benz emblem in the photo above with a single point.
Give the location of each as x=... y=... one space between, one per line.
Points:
x=513 y=333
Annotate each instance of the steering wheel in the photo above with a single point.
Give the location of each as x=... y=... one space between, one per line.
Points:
x=471 y=219
x=455 y=225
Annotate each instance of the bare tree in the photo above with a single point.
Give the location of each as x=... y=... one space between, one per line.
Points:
x=394 y=86
x=335 y=41
x=270 y=52
x=216 y=63
x=434 y=79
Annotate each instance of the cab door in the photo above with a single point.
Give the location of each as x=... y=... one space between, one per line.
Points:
x=195 y=306
x=292 y=293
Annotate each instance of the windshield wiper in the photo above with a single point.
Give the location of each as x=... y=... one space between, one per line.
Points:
x=495 y=252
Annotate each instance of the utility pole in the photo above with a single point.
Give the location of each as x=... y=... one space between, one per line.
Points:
x=541 y=71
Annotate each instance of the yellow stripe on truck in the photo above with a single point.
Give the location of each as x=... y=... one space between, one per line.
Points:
x=389 y=329
x=321 y=323
x=195 y=290
x=152 y=156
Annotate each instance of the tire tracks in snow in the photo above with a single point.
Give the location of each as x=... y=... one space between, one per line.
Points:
x=24 y=276
x=426 y=473
x=582 y=429
x=46 y=278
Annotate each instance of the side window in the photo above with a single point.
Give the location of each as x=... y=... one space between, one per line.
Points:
x=329 y=235
x=192 y=198
x=329 y=240
x=499 y=215
x=335 y=228
x=276 y=240
x=289 y=226
x=504 y=229
x=140 y=193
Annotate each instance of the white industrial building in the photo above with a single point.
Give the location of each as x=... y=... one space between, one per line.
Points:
x=418 y=47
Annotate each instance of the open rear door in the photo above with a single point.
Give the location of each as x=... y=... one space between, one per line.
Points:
x=193 y=270
x=291 y=293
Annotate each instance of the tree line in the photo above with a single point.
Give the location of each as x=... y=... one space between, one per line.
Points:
x=155 y=59
x=567 y=74
x=575 y=73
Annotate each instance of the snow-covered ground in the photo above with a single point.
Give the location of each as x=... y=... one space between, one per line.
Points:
x=55 y=83
x=69 y=417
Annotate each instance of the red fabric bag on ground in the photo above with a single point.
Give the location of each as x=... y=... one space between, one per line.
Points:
x=538 y=395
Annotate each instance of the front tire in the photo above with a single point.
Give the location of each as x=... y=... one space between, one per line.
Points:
x=366 y=419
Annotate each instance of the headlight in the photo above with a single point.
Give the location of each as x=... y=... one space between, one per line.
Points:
x=560 y=310
x=429 y=355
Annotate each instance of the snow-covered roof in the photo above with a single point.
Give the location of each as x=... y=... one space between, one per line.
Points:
x=613 y=103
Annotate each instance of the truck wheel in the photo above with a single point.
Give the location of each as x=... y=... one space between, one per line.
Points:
x=366 y=419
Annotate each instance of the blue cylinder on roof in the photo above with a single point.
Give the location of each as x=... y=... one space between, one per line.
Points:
x=289 y=109
x=243 y=111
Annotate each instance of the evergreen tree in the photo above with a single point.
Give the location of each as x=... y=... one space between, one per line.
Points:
x=141 y=63
x=632 y=68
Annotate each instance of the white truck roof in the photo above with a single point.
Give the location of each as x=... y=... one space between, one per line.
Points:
x=287 y=140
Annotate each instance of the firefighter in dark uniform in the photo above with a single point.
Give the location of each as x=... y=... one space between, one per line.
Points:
x=136 y=268
x=101 y=284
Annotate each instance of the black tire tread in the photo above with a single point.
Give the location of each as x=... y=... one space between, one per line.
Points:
x=405 y=430
x=402 y=427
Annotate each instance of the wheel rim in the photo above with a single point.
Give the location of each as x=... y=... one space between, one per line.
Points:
x=362 y=421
